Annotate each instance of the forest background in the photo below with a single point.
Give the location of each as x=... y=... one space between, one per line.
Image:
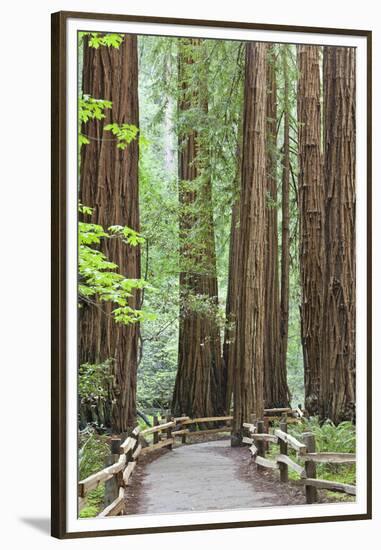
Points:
x=187 y=147
x=35 y=353
x=190 y=152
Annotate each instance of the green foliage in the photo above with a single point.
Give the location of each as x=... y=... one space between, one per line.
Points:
x=157 y=373
x=94 y=501
x=128 y=235
x=142 y=425
x=90 y=108
x=160 y=123
x=159 y=221
x=125 y=133
x=98 y=279
x=328 y=438
x=93 y=381
x=295 y=369
x=204 y=305
x=90 y=511
x=93 y=450
x=85 y=209
x=97 y=39
x=331 y=438
x=219 y=135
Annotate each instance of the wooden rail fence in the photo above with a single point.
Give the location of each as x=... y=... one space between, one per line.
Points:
x=125 y=454
x=293 y=415
x=305 y=452
x=135 y=445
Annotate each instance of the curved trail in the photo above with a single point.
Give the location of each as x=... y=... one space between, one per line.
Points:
x=208 y=476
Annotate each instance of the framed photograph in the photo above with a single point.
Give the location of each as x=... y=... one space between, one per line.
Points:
x=211 y=275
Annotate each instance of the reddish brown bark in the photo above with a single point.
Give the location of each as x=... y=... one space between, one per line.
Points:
x=285 y=255
x=275 y=377
x=109 y=184
x=338 y=399
x=248 y=375
x=229 y=346
x=311 y=210
x=198 y=385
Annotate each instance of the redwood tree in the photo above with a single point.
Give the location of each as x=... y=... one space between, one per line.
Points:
x=229 y=346
x=338 y=397
x=311 y=212
x=198 y=385
x=248 y=375
x=275 y=374
x=285 y=254
x=109 y=184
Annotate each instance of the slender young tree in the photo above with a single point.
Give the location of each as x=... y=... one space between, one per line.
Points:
x=338 y=397
x=109 y=184
x=275 y=378
x=248 y=375
x=198 y=385
x=285 y=253
x=229 y=350
x=311 y=212
x=229 y=347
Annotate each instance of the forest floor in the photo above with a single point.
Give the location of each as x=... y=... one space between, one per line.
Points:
x=205 y=476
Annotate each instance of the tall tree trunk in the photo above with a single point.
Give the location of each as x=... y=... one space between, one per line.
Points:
x=229 y=346
x=311 y=219
x=109 y=184
x=248 y=378
x=338 y=399
x=198 y=385
x=275 y=379
x=285 y=255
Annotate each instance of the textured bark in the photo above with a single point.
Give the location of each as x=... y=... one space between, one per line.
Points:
x=234 y=277
x=311 y=219
x=198 y=385
x=338 y=399
x=285 y=254
x=248 y=376
x=109 y=184
x=275 y=379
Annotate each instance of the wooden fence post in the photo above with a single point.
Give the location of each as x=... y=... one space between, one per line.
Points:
x=169 y=432
x=283 y=448
x=310 y=467
x=156 y=435
x=135 y=435
x=129 y=456
x=260 y=444
x=112 y=485
x=115 y=446
x=184 y=436
x=266 y=430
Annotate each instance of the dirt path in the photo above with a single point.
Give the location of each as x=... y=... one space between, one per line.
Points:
x=205 y=476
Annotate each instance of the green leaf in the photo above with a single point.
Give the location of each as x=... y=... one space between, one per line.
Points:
x=99 y=279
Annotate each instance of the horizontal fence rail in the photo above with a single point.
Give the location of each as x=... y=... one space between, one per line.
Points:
x=136 y=445
x=305 y=453
x=258 y=437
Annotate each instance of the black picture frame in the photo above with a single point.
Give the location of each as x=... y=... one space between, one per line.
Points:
x=59 y=266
